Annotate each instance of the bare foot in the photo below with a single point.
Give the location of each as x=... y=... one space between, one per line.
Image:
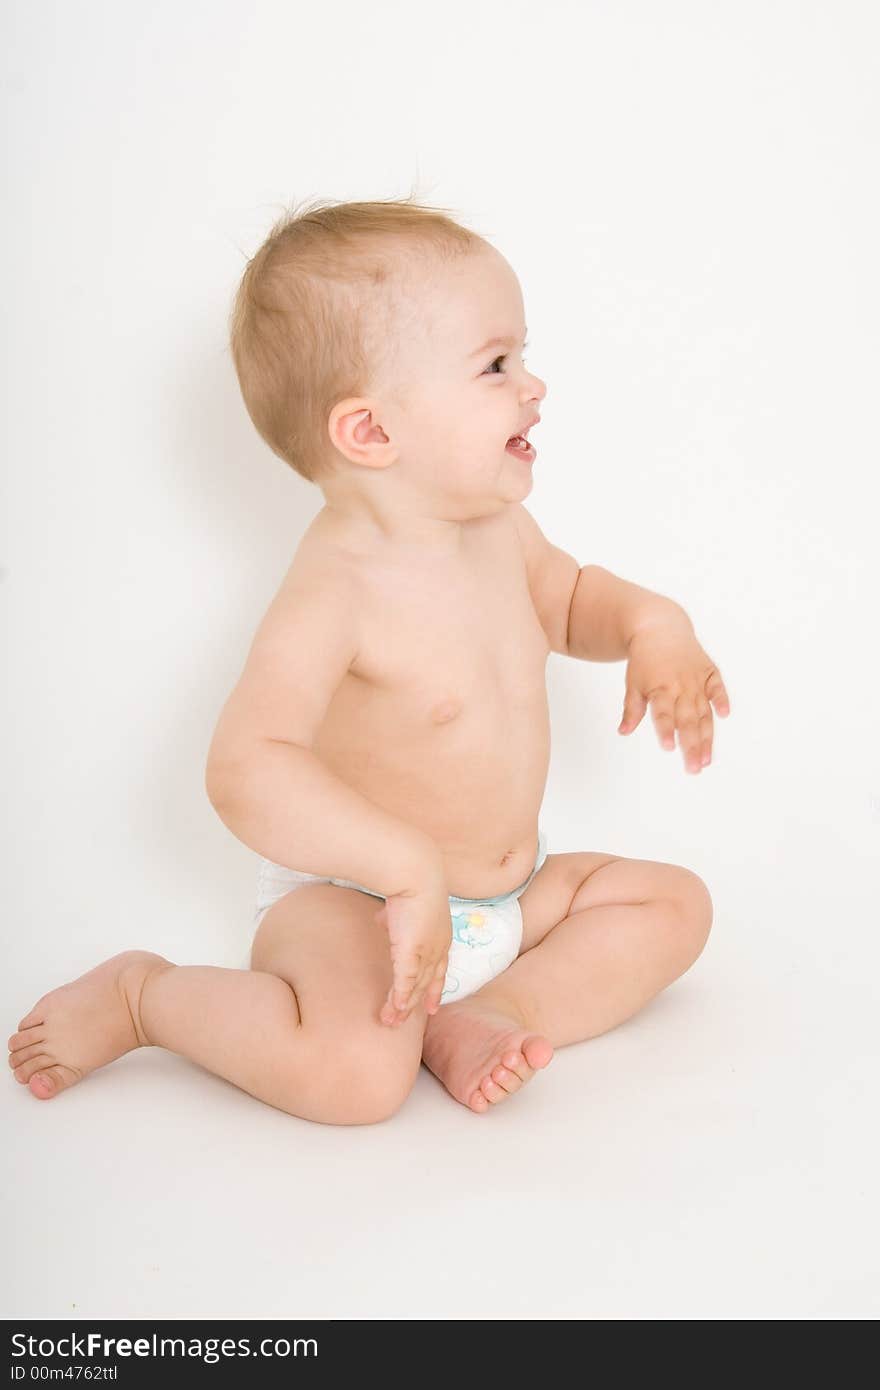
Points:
x=480 y=1053
x=83 y=1025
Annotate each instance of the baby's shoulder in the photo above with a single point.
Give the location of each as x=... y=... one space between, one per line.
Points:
x=323 y=557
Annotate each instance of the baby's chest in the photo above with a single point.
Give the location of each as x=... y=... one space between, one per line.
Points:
x=451 y=642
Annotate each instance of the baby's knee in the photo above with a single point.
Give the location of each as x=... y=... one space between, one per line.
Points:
x=363 y=1079
x=364 y=1095
x=696 y=907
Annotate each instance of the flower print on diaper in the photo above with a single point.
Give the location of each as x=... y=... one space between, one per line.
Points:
x=472 y=926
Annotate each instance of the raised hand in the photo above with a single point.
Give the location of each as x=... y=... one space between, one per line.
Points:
x=668 y=669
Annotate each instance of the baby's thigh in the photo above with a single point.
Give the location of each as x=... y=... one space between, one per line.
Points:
x=326 y=943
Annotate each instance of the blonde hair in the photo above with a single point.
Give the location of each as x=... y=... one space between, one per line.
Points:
x=312 y=319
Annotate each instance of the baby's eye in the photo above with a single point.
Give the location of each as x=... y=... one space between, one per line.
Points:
x=501 y=359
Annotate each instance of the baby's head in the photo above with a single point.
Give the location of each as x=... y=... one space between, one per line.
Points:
x=361 y=337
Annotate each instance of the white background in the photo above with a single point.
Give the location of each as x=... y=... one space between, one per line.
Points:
x=688 y=193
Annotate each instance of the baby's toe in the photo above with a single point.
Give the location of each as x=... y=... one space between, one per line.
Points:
x=478 y=1102
x=48 y=1081
x=491 y=1090
x=24 y=1054
x=507 y=1078
x=25 y=1070
x=538 y=1051
x=515 y=1062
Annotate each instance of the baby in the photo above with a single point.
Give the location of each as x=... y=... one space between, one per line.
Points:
x=386 y=747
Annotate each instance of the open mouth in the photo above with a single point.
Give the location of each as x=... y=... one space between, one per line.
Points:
x=518 y=444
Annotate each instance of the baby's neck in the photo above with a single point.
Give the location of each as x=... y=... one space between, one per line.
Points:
x=398 y=532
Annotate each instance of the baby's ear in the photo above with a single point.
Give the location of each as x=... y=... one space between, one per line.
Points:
x=355 y=433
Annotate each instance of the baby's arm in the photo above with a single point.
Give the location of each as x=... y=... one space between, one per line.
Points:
x=590 y=613
x=586 y=611
x=262 y=777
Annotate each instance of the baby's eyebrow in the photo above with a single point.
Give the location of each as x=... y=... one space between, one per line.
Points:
x=497 y=342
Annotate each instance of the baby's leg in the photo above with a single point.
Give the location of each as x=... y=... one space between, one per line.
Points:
x=300 y=1030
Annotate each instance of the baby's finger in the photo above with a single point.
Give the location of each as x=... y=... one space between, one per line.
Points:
x=435 y=988
x=388 y=1013
x=696 y=740
x=391 y=1014
x=427 y=989
x=406 y=975
x=706 y=728
x=717 y=693
x=412 y=997
x=688 y=731
x=634 y=706
x=435 y=982
x=662 y=710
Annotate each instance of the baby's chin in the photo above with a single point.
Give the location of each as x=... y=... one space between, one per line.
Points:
x=511 y=482
x=509 y=485
x=517 y=481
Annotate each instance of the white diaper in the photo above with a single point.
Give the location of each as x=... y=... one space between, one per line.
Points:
x=486 y=932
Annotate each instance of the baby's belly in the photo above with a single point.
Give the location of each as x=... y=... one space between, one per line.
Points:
x=471 y=775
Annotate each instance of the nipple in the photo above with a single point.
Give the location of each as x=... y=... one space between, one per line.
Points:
x=446 y=710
